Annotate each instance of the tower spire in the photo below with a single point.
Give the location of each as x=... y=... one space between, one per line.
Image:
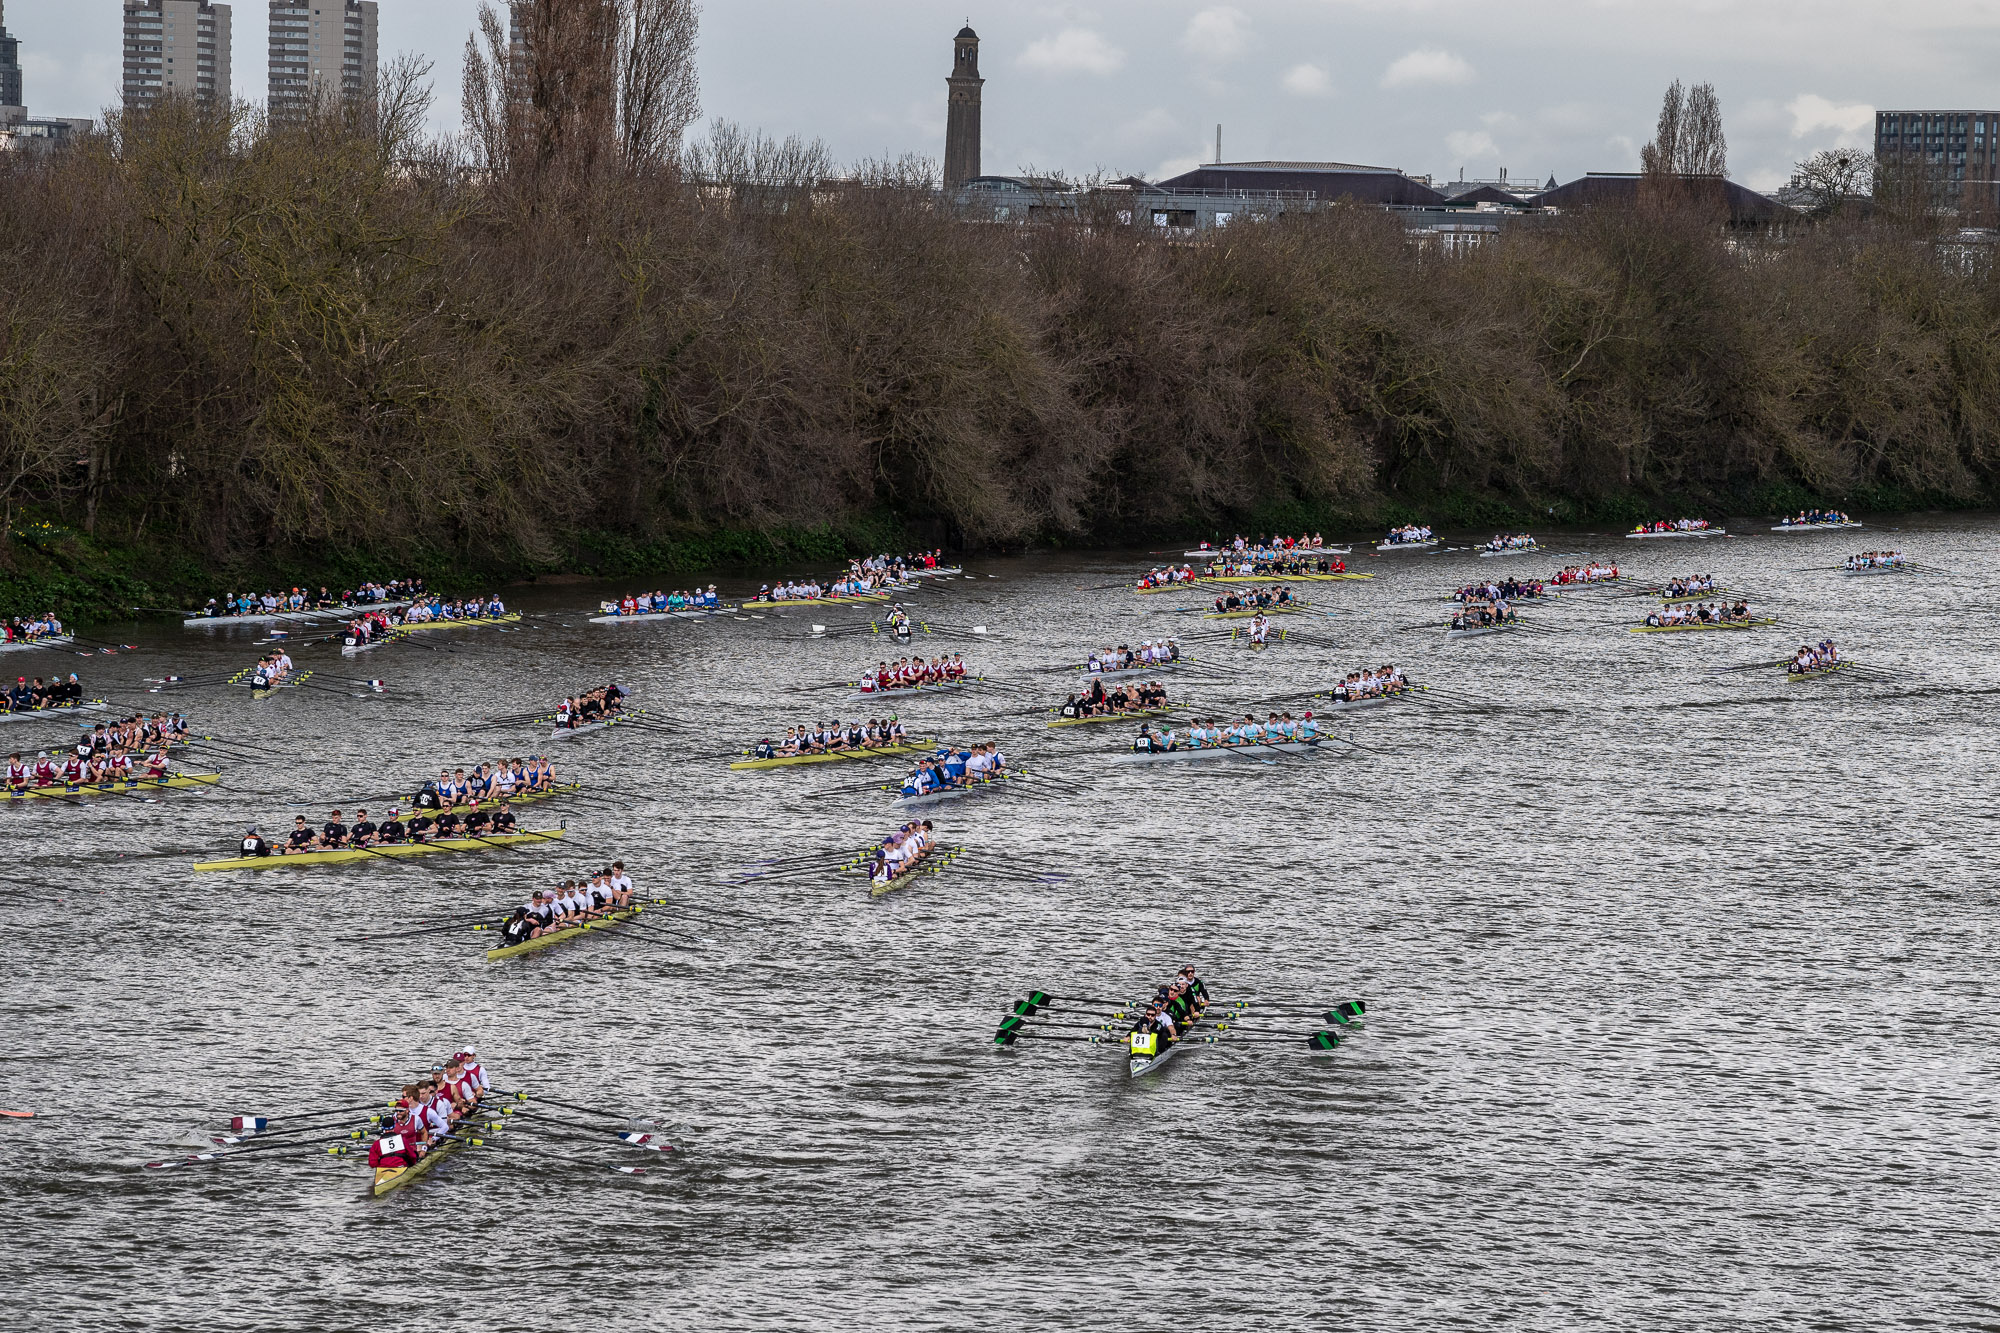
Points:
x=961 y=120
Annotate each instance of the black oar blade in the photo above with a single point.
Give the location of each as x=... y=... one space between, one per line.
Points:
x=1323 y=1041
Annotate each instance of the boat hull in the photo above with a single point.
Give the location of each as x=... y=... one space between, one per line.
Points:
x=1687 y=629
x=617 y=917
x=921 y=745
x=394 y=851
x=179 y=781
x=1251 y=751
x=66 y=710
x=1108 y=717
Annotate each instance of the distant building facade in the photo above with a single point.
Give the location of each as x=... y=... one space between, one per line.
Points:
x=12 y=104
x=1959 y=149
x=176 y=46
x=321 y=48
x=961 y=114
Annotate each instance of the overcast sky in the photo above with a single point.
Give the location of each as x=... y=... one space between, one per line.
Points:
x=1428 y=86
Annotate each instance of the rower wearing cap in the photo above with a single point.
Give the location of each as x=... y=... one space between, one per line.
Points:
x=253 y=845
x=399 y=1145
x=391 y=830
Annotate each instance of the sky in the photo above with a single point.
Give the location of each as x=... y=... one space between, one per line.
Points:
x=1437 y=87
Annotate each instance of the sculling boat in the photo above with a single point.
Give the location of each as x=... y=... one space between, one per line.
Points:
x=915 y=745
x=617 y=916
x=463 y=622
x=1484 y=553
x=1111 y=717
x=176 y=781
x=1245 y=749
x=60 y=710
x=393 y=850
x=1424 y=545
x=46 y=641
x=1796 y=677
x=1698 y=625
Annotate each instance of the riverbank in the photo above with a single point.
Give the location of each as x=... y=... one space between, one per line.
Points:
x=46 y=565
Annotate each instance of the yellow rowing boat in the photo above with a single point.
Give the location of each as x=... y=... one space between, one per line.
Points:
x=508 y=618
x=493 y=802
x=919 y=745
x=1111 y=717
x=616 y=917
x=176 y=781
x=1288 y=609
x=338 y=855
x=849 y=599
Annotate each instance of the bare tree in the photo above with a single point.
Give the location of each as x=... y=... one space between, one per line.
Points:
x=659 y=95
x=1686 y=164
x=486 y=102
x=1829 y=179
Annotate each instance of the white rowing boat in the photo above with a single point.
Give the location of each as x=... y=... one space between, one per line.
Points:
x=1484 y=553
x=1682 y=532
x=275 y=617
x=912 y=691
x=1424 y=545
x=1126 y=673
x=1371 y=701
x=1478 y=630
x=50 y=641
x=684 y=613
x=943 y=794
x=1814 y=527
x=1241 y=749
x=1877 y=569
x=65 y=710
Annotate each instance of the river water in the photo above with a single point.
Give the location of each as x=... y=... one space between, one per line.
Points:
x=1680 y=986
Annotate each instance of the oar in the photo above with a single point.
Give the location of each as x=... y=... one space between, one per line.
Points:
x=516 y=1147
x=585 y=1110
x=650 y=1142
x=1009 y=1038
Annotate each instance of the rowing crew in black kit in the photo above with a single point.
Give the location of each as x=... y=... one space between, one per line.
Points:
x=422 y=826
x=573 y=903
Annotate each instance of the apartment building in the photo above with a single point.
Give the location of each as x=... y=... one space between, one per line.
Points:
x=175 y=46
x=321 y=48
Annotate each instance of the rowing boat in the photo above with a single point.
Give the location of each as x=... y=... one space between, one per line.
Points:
x=1814 y=527
x=916 y=745
x=1695 y=625
x=941 y=572
x=289 y=682
x=1478 y=630
x=462 y=622
x=1796 y=677
x=1485 y=554
x=273 y=617
x=1246 y=749
x=906 y=691
x=1679 y=532
x=845 y=599
x=59 y=790
x=943 y=794
x=616 y=917
x=493 y=802
x=1282 y=578
x=1423 y=545
x=396 y=1177
x=1111 y=717
x=1333 y=705
x=684 y=613
x=340 y=855
x=570 y=733
x=1126 y=673
x=1146 y=1060
x=46 y=641
x=1288 y=609
x=60 y=710
x=1878 y=569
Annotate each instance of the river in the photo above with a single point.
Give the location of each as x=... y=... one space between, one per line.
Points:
x=1680 y=986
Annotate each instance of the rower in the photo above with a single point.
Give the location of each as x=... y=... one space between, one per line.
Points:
x=300 y=839
x=363 y=832
x=398 y=1146
x=253 y=845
